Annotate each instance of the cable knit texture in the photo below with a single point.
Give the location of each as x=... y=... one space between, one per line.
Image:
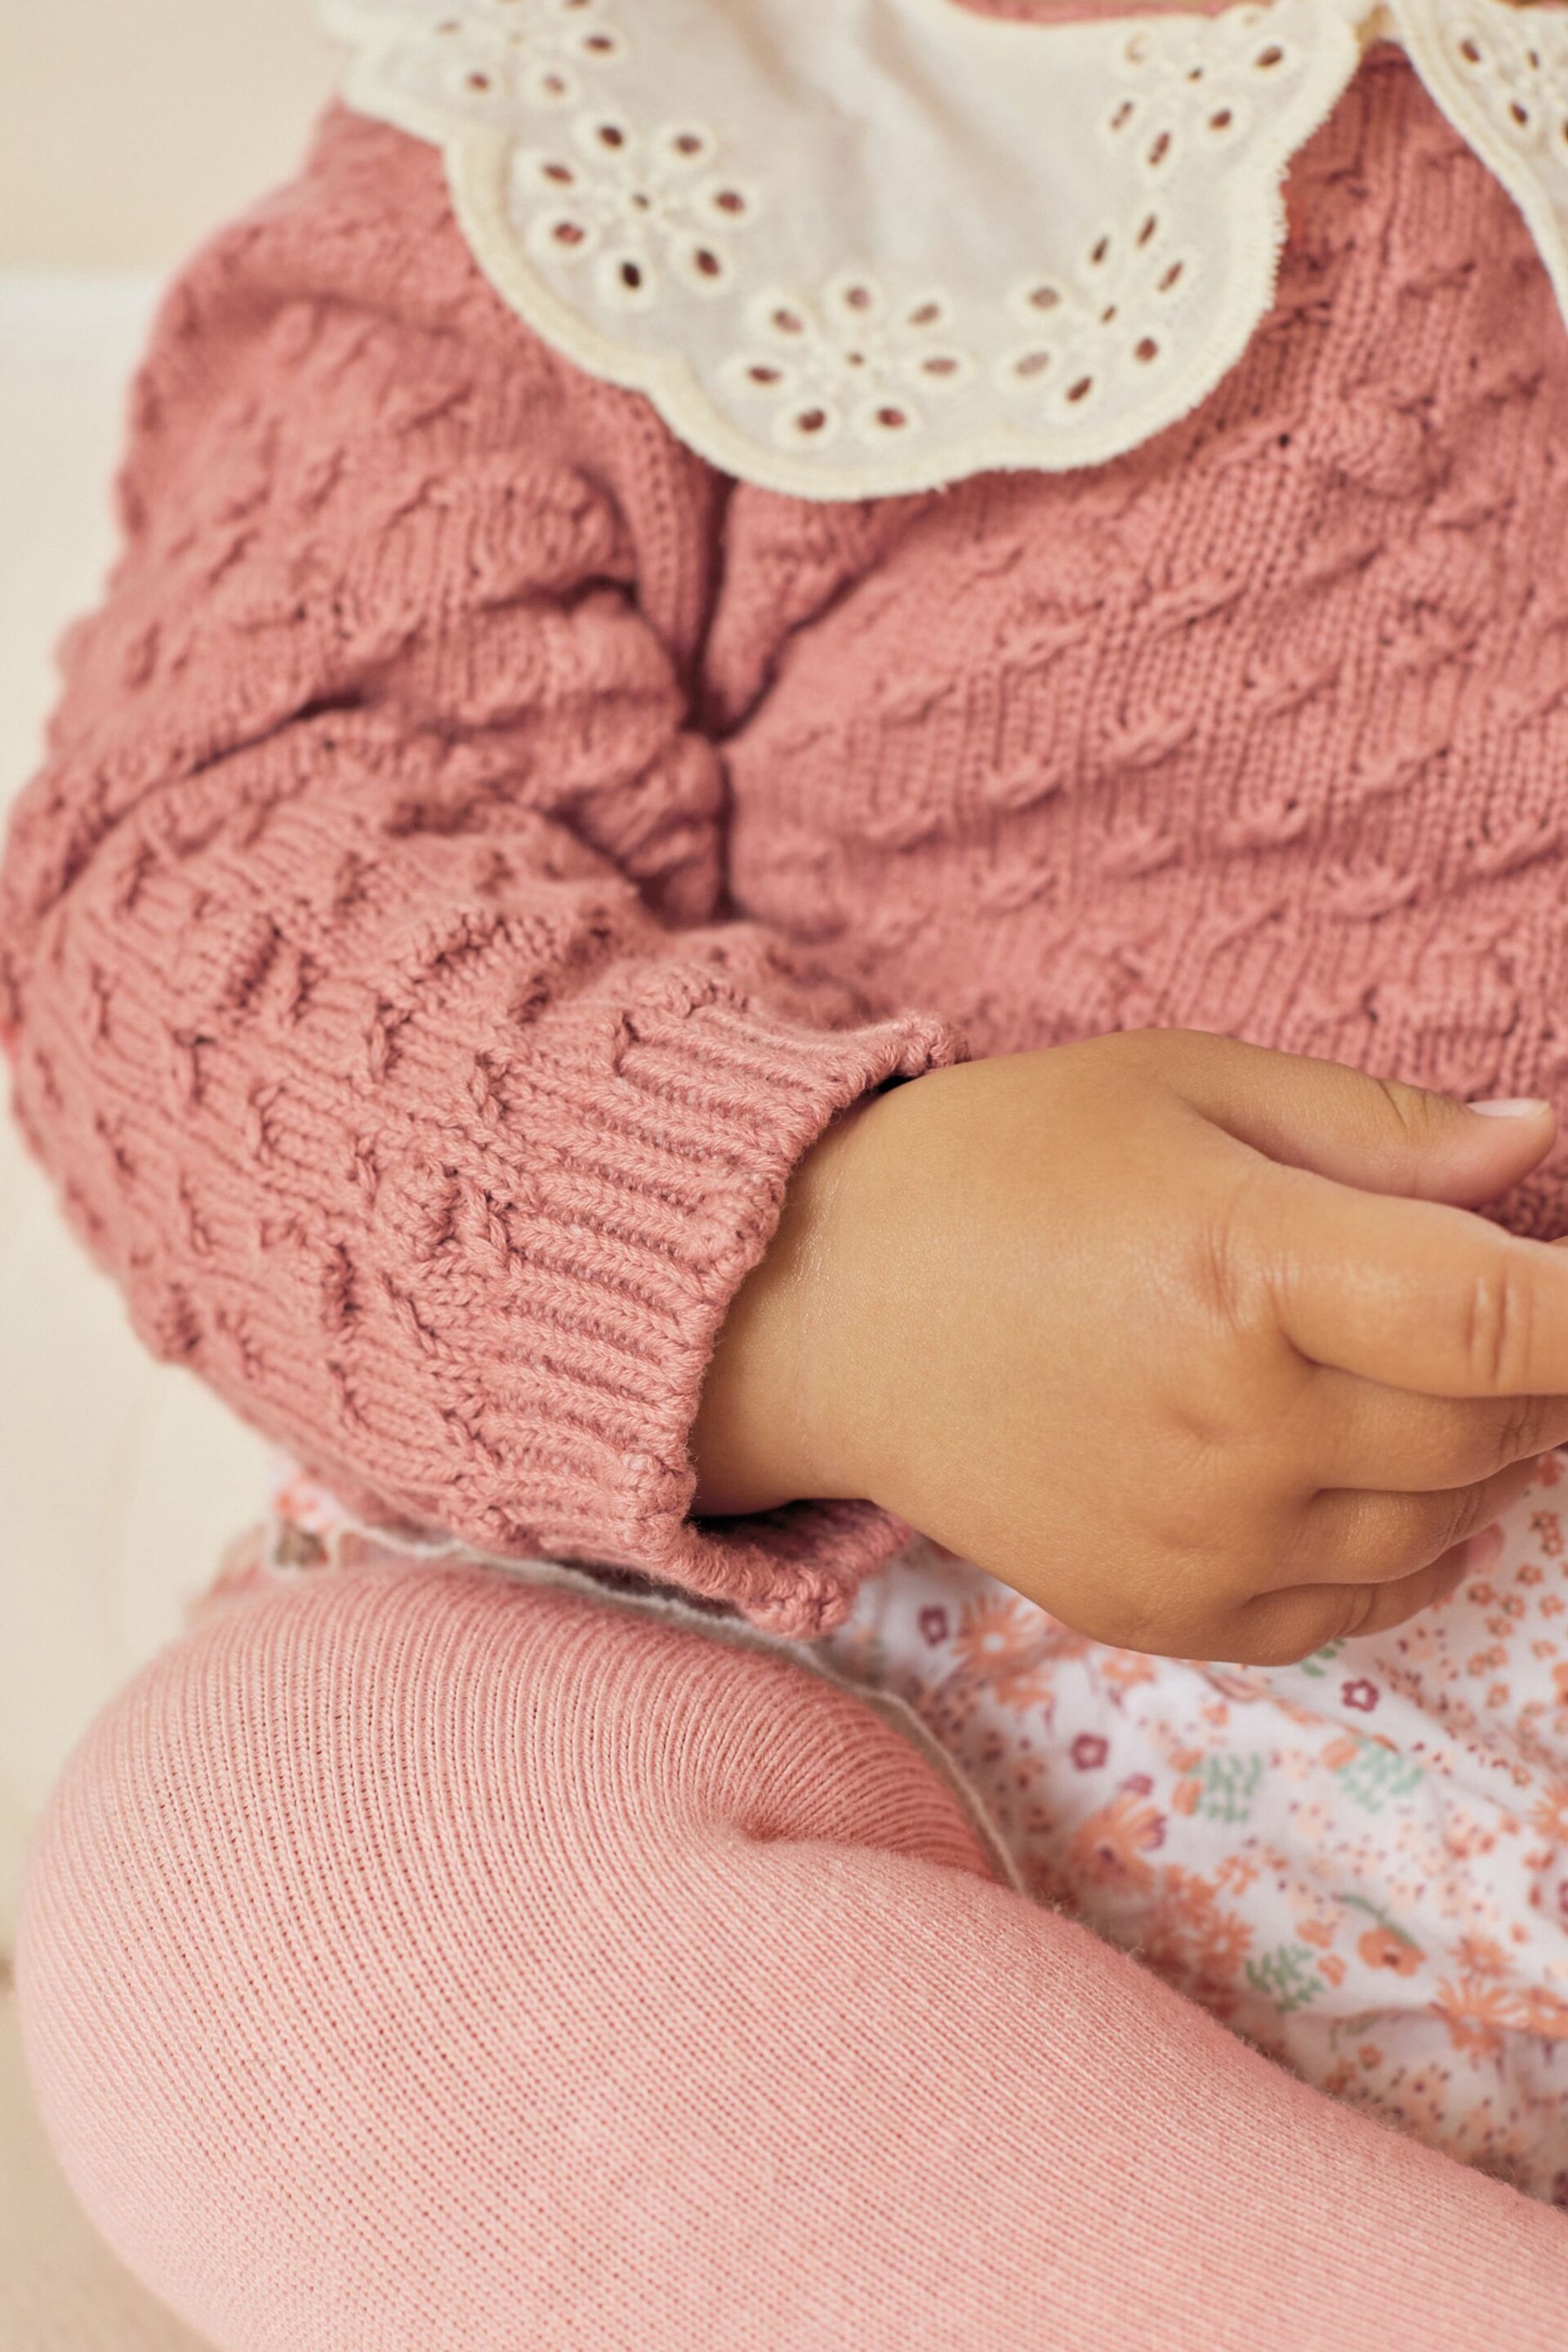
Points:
x=482 y=849
x=429 y=1961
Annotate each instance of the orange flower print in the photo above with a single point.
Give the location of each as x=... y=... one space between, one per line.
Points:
x=1549 y=1815
x=1539 y=2011
x=1108 y=1847
x=1331 y=1968
x=1223 y=1943
x=1476 y=2014
x=1384 y=1947
x=1479 y=1956
x=1124 y=1669
x=1191 y=1943
x=1008 y=1645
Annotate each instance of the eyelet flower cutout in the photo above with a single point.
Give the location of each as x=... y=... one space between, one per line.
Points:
x=1108 y=320
x=1516 y=60
x=1189 y=87
x=854 y=360
x=487 y=56
x=845 y=265
x=633 y=209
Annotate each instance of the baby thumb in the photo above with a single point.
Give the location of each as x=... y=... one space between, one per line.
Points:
x=1379 y=1133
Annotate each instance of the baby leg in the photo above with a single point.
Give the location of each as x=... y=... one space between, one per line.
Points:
x=431 y=1959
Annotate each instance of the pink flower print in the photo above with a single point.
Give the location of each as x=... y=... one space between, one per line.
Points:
x=934 y=1625
x=1361 y=1694
x=1088 y=1751
x=1139 y=1784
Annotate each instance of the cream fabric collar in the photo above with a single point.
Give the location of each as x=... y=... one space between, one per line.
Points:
x=867 y=246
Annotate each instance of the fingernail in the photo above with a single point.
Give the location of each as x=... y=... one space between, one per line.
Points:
x=1511 y=1106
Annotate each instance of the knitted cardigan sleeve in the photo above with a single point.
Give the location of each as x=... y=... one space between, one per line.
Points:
x=364 y=968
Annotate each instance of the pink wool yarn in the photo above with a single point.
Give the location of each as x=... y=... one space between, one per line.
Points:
x=482 y=848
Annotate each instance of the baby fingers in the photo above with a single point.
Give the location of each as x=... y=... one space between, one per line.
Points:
x=1367 y=1435
x=1276 y=1629
x=1360 y=1537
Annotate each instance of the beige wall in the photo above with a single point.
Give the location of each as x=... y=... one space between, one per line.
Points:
x=129 y=127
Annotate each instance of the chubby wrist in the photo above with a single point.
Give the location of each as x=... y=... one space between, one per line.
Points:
x=771 y=1427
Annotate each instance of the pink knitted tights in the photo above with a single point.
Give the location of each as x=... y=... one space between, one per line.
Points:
x=428 y=1958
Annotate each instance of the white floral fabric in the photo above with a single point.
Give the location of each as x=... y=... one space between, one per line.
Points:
x=1359 y=1863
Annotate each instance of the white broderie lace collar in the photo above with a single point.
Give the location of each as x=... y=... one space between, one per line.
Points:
x=865 y=246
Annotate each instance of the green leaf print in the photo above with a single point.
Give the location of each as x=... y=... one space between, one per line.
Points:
x=1285 y=1977
x=1320 y=1660
x=1377 y=1773
x=1228 y=1784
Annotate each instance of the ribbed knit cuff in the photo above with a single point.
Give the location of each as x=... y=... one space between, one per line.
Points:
x=666 y=1190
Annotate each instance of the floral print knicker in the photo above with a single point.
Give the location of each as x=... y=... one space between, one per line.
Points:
x=1359 y=1862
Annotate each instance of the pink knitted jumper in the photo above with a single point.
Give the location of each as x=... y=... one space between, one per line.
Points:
x=482 y=848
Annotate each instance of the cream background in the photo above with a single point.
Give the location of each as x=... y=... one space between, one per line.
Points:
x=119 y=1480
x=128 y=127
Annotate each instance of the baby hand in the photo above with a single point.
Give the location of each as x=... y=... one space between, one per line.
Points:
x=1192 y=1343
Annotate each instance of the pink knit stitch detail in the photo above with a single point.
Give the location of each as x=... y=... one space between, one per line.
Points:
x=482 y=849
